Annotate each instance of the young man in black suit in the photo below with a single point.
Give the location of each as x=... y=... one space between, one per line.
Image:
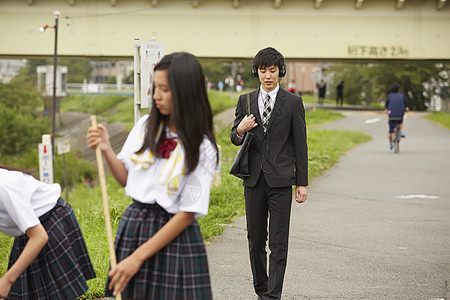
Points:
x=278 y=159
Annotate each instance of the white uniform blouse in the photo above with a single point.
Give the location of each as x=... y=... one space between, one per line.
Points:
x=23 y=199
x=143 y=182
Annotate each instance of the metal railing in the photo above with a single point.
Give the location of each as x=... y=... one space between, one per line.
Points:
x=99 y=89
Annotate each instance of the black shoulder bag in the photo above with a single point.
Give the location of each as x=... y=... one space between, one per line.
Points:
x=240 y=167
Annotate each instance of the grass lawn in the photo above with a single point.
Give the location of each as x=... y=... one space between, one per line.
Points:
x=121 y=108
x=440 y=118
x=90 y=103
x=310 y=99
x=226 y=201
x=320 y=117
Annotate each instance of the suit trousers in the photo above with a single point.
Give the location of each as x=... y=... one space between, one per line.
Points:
x=263 y=204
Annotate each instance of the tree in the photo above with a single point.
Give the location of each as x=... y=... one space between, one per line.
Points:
x=129 y=79
x=413 y=77
x=78 y=70
x=27 y=75
x=364 y=82
x=215 y=69
x=219 y=69
x=111 y=80
x=20 y=127
x=356 y=81
x=18 y=98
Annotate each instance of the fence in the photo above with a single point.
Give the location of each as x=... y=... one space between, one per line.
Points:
x=100 y=89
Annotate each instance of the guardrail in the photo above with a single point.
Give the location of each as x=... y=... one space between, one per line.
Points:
x=99 y=89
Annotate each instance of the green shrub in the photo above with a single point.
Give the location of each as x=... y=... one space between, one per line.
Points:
x=77 y=168
x=20 y=99
x=19 y=132
x=20 y=127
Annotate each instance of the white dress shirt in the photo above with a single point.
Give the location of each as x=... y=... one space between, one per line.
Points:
x=142 y=185
x=262 y=97
x=23 y=199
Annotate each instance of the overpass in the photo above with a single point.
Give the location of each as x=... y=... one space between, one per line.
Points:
x=300 y=29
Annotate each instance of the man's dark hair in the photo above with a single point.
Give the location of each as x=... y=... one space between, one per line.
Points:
x=267 y=57
x=395 y=87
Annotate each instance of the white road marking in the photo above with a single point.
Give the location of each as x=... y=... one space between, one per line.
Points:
x=417 y=196
x=374 y=120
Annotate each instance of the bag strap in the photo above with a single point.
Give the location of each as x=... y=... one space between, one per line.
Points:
x=248 y=104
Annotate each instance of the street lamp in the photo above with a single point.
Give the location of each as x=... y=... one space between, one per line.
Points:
x=55 y=60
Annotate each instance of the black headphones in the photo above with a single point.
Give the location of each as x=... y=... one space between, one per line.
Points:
x=282 y=69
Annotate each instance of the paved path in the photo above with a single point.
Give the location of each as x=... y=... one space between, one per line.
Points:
x=375 y=226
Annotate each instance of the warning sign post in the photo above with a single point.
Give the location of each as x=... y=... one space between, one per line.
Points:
x=146 y=56
x=46 y=159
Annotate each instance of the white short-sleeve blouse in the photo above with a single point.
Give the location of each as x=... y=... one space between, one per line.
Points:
x=23 y=199
x=142 y=184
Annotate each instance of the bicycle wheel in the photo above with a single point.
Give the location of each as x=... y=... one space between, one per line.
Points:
x=396 y=140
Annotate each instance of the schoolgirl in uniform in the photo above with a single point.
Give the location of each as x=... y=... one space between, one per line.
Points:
x=166 y=166
x=49 y=259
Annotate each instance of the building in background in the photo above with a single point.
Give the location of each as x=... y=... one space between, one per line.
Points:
x=45 y=80
x=305 y=75
x=102 y=70
x=10 y=68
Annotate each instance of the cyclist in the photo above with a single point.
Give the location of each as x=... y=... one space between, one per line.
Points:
x=396 y=106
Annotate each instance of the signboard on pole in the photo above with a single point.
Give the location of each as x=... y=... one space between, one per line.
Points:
x=63 y=146
x=150 y=54
x=46 y=159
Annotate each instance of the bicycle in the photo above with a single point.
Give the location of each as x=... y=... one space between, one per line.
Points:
x=396 y=136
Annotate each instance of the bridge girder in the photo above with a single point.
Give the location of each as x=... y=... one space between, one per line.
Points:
x=301 y=29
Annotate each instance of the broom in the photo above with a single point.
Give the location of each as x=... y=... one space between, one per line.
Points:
x=102 y=177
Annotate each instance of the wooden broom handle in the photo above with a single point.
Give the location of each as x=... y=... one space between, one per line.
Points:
x=102 y=178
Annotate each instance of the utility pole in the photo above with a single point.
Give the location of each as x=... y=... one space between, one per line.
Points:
x=55 y=65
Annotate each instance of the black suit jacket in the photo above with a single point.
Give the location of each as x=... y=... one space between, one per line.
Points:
x=281 y=153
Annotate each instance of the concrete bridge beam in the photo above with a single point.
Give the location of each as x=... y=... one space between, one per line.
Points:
x=302 y=30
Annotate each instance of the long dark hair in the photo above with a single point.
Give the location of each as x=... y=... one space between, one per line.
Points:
x=191 y=111
x=29 y=171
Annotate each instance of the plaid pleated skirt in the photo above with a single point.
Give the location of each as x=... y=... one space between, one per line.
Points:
x=62 y=267
x=178 y=271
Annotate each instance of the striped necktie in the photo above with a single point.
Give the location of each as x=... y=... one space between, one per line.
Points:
x=266 y=112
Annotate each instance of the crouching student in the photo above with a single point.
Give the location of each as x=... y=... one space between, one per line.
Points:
x=49 y=259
